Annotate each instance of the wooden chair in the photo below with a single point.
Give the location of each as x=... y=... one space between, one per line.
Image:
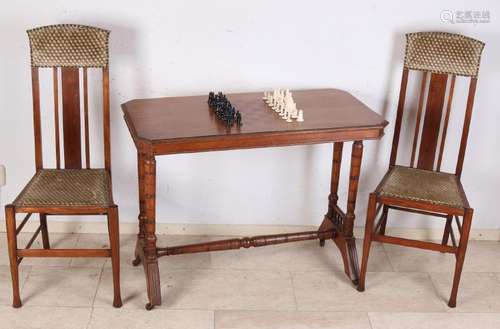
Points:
x=70 y=50
x=422 y=187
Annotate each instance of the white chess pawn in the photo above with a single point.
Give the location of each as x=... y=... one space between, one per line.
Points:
x=300 y=117
x=294 y=111
x=281 y=109
x=273 y=96
x=289 y=117
x=269 y=98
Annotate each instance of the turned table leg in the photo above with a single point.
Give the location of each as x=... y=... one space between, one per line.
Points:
x=334 y=186
x=139 y=246
x=150 y=252
x=356 y=156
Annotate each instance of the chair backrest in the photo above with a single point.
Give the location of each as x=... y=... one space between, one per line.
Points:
x=70 y=51
x=443 y=56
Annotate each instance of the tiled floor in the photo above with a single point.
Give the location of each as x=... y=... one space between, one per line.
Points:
x=287 y=286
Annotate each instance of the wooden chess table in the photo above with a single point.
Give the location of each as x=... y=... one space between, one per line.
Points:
x=175 y=125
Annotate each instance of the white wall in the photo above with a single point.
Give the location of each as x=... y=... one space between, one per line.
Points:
x=165 y=48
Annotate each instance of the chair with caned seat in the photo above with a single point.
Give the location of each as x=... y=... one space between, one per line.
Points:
x=422 y=187
x=69 y=52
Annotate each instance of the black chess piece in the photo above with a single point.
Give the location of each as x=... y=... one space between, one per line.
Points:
x=220 y=105
x=238 y=118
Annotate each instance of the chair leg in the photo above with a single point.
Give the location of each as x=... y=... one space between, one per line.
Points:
x=370 y=221
x=462 y=248
x=10 y=218
x=447 y=230
x=383 y=224
x=114 y=241
x=45 y=232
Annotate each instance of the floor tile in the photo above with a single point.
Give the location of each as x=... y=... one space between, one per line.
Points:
x=384 y=292
x=157 y=319
x=299 y=256
x=90 y=241
x=405 y=259
x=44 y=317
x=133 y=288
x=434 y=320
x=6 y=283
x=206 y=289
x=479 y=256
x=57 y=240
x=290 y=320
x=477 y=259
x=56 y=286
x=478 y=292
x=4 y=254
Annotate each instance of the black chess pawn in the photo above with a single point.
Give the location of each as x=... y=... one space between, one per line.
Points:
x=238 y=118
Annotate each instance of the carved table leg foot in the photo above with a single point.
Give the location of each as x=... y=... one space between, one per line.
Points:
x=153 y=284
x=353 y=260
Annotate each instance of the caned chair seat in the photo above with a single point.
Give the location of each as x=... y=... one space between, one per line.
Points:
x=423 y=185
x=67 y=188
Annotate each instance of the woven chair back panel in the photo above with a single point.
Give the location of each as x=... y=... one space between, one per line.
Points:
x=440 y=52
x=69 y=45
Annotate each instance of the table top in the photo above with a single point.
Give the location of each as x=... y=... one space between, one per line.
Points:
x=186 y=124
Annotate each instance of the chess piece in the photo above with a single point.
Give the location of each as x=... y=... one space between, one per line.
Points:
x=289 y=117
x=300 y=117
x=238 y=119
x=282 y=110
x=294 y=111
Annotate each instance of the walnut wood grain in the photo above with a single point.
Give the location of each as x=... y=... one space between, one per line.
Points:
x=71 y=118
x=246 y=242
x=185 y=124
x=432 y=121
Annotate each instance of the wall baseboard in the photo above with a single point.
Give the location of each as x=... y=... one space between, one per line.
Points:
x=241 y=230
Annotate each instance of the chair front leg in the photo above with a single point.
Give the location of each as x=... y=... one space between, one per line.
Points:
x=114 y=241
x=370 y=222
x=462 y=248
x=10 y=218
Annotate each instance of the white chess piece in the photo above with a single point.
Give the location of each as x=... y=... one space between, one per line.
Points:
x=268 y=97
x=281 y=109
x=289 y=117
x=295 y=113
x=270 y=100
x=300 y=117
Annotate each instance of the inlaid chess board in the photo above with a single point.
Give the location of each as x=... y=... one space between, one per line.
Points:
x=186 y=124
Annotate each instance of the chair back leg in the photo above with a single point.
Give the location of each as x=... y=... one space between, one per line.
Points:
x=10 y=218
x=114 y=241
x=383 y=220
x=462 y=248
x=44 y=231
x=370 y=222
x=447 y=230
